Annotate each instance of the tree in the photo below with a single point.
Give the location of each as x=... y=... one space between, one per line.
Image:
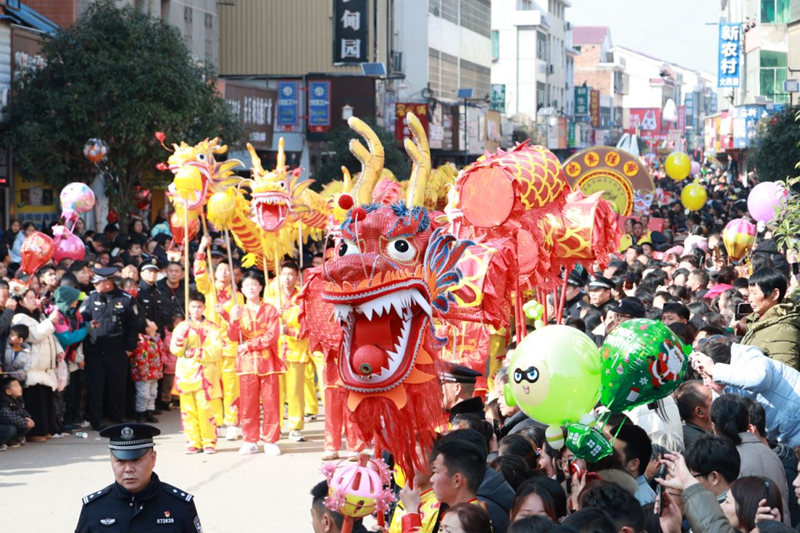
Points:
x=777 y=138
x=338 y=146
x=120 y=76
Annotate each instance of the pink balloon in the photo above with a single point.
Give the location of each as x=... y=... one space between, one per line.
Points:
x=77 y=197
x=763 y=200
x=695 y=168
x=68 y=245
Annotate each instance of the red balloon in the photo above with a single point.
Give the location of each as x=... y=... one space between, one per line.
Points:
x=68 y=245
x=37 y=249
x=176 y=225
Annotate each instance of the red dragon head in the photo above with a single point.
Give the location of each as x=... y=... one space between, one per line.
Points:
x=390 y=273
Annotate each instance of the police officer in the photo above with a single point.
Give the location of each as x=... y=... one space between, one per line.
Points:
x=458 y=387
x=151 y=300
x=108 y=346
x=137 y=500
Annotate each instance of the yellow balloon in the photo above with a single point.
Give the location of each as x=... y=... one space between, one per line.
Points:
x=678 y=165
x=693 y=196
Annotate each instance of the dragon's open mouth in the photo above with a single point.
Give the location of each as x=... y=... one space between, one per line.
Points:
x=383 y=329
x=271 y=210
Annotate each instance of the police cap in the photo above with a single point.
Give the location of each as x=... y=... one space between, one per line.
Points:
x=453 y=373
x=130 y=441
x=102 y=274
x=599 y=282
x=150 y=264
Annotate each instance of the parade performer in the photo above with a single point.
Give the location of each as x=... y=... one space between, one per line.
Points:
x=258 y=366
x=196 y=344
x=219 y=301
x=292 y=347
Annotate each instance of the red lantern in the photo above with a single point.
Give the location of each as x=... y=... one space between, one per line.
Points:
x=37 y=249
x=176 y=224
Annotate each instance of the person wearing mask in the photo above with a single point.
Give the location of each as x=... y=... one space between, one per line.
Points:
x=774 y=325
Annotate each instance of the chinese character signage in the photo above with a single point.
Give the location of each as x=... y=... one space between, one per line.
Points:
x=498 y=97
x=350 y=31
x=401 y=131
x=319 y=105
x=288 y=103
x=745 y=119
x=730 y=53
x=594 y=107
x=581 y=101
x=255 y=107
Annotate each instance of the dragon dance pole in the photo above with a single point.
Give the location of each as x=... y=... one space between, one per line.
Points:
x=186 y=272
x=230 y=264
x=210 y=264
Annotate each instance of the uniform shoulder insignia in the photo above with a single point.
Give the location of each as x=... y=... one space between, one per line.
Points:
x=96 y=495
x=178 y=493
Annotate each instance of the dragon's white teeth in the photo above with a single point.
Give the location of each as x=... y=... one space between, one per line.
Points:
x=420 y=301
x=342 y=312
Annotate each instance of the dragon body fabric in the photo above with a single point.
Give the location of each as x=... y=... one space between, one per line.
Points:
x=268 y=226
x=390 y=274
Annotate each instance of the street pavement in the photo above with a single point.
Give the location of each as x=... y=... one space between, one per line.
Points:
x=41 y=484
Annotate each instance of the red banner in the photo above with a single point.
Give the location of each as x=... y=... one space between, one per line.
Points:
x=594 y=107
x=401 y=131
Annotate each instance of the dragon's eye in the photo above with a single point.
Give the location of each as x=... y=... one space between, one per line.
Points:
x=201 y=157
x=401 y=250
x=347 y=247
x=281 y=184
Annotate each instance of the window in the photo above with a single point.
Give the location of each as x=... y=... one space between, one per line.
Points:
x=187 y=14
x=540 y=95
x=541 y=46
x=495 y=45
x=772 y=75
x=776 y=11
x=524 y=5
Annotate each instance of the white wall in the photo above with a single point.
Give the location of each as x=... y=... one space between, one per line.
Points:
x=411 y=38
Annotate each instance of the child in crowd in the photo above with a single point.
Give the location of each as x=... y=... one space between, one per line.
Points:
x=15 y=421
x=146 y=370
x=196 y=344
x=17 y=359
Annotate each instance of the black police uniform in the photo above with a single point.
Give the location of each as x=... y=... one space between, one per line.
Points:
x=104 y=350
x=154 y=305
x=158 y=508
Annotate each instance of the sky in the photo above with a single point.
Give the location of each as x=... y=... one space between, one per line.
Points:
x=673 y=30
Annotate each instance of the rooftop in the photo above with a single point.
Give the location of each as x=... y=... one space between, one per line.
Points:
x=589 y=34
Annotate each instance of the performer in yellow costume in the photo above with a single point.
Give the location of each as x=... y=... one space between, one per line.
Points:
x=219 y=301
x=293 y=348
x=196 y=344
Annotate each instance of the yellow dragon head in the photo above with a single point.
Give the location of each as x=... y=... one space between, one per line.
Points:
x=275 y=193
x=198 y=174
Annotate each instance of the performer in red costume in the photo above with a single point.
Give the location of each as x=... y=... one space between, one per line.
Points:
x=258 y=366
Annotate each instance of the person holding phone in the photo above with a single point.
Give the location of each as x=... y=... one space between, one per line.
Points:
x=774 y=324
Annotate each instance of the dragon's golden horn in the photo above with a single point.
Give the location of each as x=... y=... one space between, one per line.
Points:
x=347 y=183
x=371 y=160
x=420 y=154
x=280 y=166
x=255 y=160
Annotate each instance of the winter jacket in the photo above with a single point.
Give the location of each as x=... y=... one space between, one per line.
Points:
x=703 y=512
x=774 y=385
x=759 y=460
x=777 y=333
x=18 y=363
x=70 y=328
x=44 y=350
x=146 y=359
x=13 y=413
x=497 y=495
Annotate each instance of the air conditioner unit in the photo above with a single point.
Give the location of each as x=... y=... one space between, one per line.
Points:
x=397 y=62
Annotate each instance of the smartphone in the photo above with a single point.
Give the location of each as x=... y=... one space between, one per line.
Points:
x=742 y=310
x=662 y=471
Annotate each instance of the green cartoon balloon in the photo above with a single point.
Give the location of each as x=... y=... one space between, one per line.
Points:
x=554 y=375
x=643 y=361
